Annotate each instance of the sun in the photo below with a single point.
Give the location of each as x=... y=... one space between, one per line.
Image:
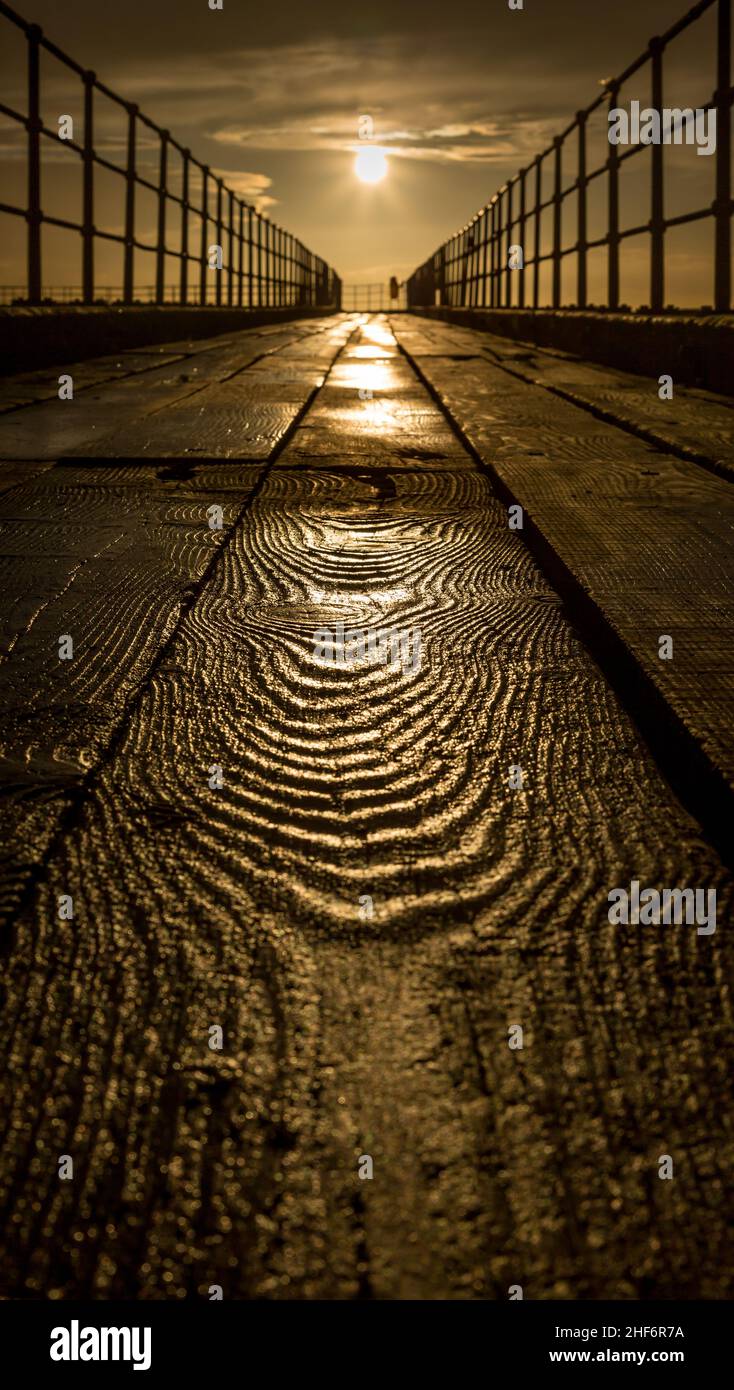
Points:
x=370 y=166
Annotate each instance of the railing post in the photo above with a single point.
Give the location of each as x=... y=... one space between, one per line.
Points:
x=536 y=261
x=184 y=290
x=88 y=192
x=521 y=286
x=240 y=254
x=508 y=244
x=160 y=269
x=230 y=250
x=204 y=233
x=250 y=215
x=218 y=282
x=501 y=248
x=496 y=257
x=489 y=230
x=657 y=210
x=496 y=251
x=259 y=262
x=581 y=249
x=485 y=244
x=557 y=210
x=722 y=268
x=129 y=253
x=493 y=256
x=33 y=34
x=613 y=229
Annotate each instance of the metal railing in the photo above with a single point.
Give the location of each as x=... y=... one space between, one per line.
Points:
x=372 y=297
x=263 y=265
x=103 y=294
x=473 y=268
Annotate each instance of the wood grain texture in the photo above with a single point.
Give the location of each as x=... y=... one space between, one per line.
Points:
x=647 y=536
x=29 y=388
x=387 y=1035
x=112 y=408
x=231 y=417
x=111 y=556
x=695 y=424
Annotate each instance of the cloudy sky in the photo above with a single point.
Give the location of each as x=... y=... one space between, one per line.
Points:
x=271 y=95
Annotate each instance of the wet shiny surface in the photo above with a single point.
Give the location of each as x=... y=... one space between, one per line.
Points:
x=349 y=1031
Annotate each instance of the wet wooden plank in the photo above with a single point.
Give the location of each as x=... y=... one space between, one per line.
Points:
x=113 y=408
x=110 y=553
x=215 y=425
x=647 y=536
x=29 y=388
x=111 y=567
x=345 y=1033
x=182 y=477
x=229 y=419
x=361 y=423
x=696 y=424
x=51 y=428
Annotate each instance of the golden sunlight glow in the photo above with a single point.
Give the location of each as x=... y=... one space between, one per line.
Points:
x=370 y=166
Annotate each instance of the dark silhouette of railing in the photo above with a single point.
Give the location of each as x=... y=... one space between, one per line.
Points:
x=103 y=294
x=264 y=266
x=372 y=297
x=472 y=269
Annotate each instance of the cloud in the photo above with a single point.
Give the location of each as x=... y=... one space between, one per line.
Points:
x=426 y=103
x=422 y=112
x=251 y=187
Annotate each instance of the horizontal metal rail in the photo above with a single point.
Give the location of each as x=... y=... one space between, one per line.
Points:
x=261 y=264
x=473 y=268
x=374 y=297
